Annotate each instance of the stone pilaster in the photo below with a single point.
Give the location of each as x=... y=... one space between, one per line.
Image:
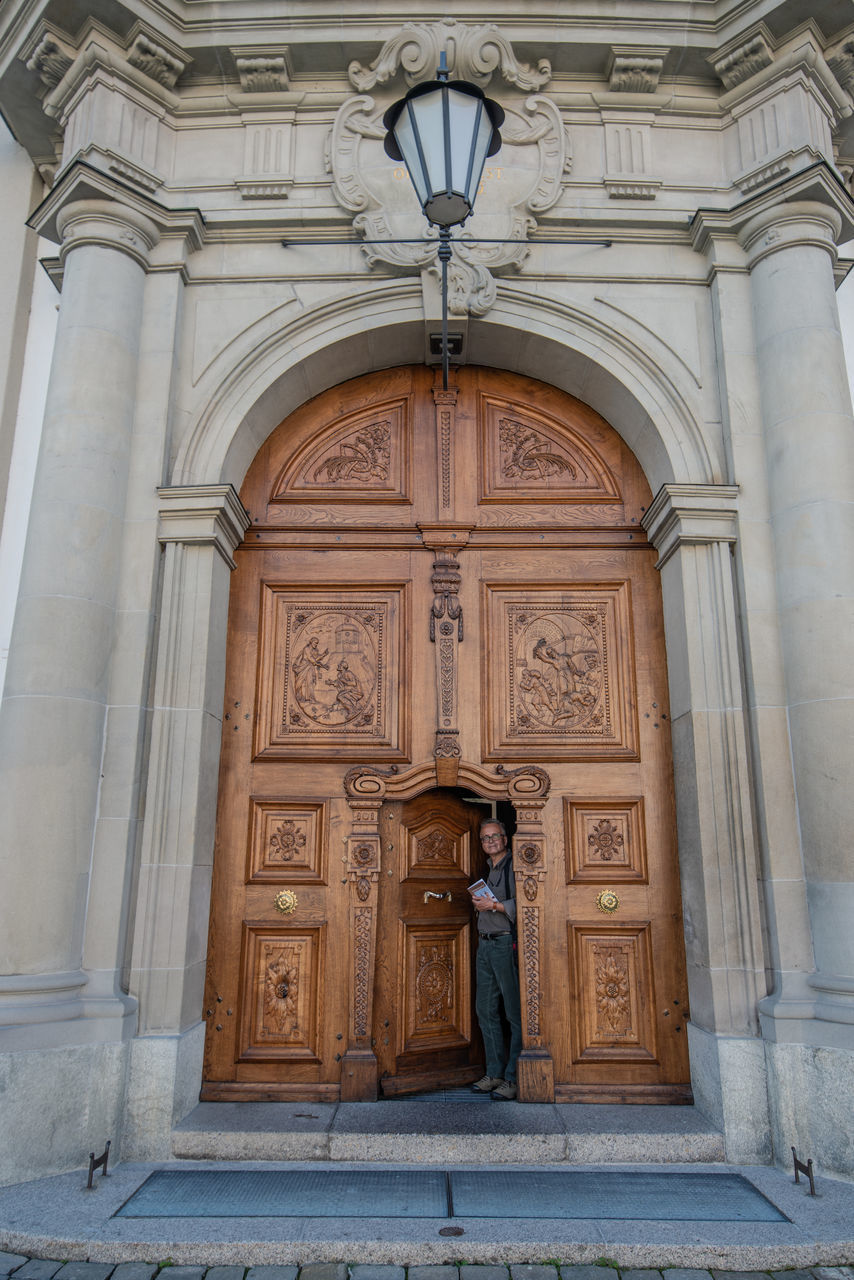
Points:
x=200 y=526
x=809 y=441
x=53 y=711
x=694 y=528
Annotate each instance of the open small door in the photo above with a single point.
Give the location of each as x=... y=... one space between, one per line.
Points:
x=425 y=1030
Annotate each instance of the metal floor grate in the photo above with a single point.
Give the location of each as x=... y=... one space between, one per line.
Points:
x=434 y=1193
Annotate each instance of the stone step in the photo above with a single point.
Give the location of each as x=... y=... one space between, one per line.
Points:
x=415 y=1131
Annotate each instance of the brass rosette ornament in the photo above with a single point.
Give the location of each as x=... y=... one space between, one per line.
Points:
x=607 y=901
x=285 y=902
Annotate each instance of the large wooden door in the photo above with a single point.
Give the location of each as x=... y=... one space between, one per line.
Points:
x=437 y=586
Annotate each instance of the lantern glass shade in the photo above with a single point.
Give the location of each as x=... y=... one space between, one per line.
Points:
x=444 y=132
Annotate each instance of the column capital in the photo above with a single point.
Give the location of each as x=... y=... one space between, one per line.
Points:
x=691 y=514
x=798 y=224
x=206 y=514
x=109 y=224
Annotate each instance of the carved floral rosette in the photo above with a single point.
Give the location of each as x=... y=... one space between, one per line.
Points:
x=528 y=179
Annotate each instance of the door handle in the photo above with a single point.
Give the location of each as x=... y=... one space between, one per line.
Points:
x=441 y=897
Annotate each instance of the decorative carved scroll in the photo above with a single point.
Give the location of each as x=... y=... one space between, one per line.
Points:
x=386 y=213
x=474 y=54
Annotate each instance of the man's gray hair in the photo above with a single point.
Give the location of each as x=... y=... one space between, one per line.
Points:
x=493 y=822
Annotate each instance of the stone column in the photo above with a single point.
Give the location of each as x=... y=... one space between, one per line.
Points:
x=693 y=528
x=52 y=715
x=809 y=443
x=200 y=527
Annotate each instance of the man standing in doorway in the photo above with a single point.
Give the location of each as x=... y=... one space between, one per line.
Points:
x=497 y=978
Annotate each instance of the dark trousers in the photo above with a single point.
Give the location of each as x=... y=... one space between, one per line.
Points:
x=498 y=982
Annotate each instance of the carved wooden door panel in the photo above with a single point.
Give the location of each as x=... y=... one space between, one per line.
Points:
x=439 y=582
x=426 y=1035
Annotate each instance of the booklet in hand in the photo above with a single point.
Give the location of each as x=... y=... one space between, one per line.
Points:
x=480 y=889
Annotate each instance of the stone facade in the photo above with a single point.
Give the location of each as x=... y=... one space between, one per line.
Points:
x=666 y=207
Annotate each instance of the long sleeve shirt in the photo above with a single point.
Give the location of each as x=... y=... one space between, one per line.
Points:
x=500 y=884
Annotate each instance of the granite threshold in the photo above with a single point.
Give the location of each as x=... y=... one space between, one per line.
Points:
x=57 y=1217
x=419 y=1130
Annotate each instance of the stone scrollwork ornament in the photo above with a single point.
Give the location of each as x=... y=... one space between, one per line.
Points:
x=528 y=179
x=473 y=53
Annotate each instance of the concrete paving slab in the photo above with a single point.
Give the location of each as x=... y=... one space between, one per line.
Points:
x=37 y=1269
x=224 y=1273
x=134 y=1271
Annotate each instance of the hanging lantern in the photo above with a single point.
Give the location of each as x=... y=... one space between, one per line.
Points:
x=443 y=133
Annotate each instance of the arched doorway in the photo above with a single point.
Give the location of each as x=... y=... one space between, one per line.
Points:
x=442 y=589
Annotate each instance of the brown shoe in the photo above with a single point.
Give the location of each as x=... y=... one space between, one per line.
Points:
x=486 y=1084
x=505 y=1091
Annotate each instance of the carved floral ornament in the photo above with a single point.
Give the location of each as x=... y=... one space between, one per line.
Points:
x=531 y=175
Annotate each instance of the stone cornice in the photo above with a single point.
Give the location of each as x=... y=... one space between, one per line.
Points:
x=203 y=515
x=81 y=181
x=147 y=67
x=691 y=515
x=817 y=184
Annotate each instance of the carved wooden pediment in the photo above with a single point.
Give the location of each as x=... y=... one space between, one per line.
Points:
x=531 y=456
x=362 y=457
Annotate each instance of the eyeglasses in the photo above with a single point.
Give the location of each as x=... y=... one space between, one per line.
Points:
x=499 y=835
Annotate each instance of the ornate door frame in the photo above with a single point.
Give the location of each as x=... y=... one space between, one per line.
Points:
x=367 y=788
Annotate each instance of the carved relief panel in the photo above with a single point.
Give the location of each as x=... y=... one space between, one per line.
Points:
x=434 y=986
x=286 y=842
x=529 y=457
x=330 y=672
x=437 y=849
x=605 y=840
x=362 y=457
x=613 y=989
x=560 y=673
x=281 y=986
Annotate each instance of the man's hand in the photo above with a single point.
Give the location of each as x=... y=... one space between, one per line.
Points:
x=486 y=904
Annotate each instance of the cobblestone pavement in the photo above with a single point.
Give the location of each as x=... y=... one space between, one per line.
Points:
x=19 y=1267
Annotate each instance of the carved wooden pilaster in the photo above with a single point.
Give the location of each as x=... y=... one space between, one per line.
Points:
x=446 y=635
x=528 y=790
x=445 y=402
x=359 y=1065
